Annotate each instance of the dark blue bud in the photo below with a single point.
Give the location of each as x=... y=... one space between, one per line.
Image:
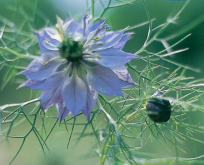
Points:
x=159 y=110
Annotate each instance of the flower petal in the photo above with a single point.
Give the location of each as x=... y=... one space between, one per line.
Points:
x=96 y=25
x=104 y=80
x=51 y=93
x=108 y=40
x=48 y=40
x=67 y=22
x=76 y=30
x=92 y=97
x=124 y=76
x=123 y=41
x=43 y=66
x=113 y=57
x=70 y=30
x=74 y=93
x=81 y=29
x=62 y=111
x=33 y=84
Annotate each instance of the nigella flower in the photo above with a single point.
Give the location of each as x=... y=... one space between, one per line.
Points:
x=78 y=61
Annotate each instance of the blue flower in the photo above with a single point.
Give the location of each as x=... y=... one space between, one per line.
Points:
x=78 y=61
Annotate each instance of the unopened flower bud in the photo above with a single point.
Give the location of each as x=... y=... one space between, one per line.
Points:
x=159 y=110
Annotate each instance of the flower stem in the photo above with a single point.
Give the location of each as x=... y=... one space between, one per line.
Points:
x=18 y=55
x=111 y=140
x=92 y=8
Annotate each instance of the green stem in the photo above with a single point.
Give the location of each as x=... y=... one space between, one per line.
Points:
x=16 y=53
x=106 y=147
x=92 y=8
x=111 y=139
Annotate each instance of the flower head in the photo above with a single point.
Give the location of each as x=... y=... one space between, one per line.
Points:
x=159 y=110
x=77 y=61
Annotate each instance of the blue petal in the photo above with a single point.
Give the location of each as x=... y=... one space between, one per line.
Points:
x=67 y=22
x=33 y=84
x=124 y=76
x=84 y=22
x=74 y=93
x=93 y=36
x=42 y=67
x=48 y=40
x=76 y=30
x=81 y=29
x=104 y=81
x=120 y=45
x=96 y=25
x=108 y=40
x=92 y=97
x=62 y=111
x=70 y=30
x=52 y=90
x=113 y=57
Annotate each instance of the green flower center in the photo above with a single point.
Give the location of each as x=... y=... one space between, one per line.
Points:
x=71 y=50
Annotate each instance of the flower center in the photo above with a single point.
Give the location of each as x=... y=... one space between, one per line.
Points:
x=71 y=50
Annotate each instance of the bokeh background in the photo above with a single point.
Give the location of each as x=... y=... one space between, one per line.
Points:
x=40 y=13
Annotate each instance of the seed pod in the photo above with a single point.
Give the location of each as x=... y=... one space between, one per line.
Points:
x=159 y=110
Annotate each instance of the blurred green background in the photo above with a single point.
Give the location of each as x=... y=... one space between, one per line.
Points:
x=43 y=12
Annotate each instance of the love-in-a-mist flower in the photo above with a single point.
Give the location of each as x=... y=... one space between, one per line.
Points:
x=78 y=61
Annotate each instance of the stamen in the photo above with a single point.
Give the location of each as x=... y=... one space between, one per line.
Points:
x=47 y=62
x=107 y=27
x=98 y=56
x=97 y=38
x=99 y=43
x=93 y=56
x=93 y=36
x=45 y=42
x=48 y=43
